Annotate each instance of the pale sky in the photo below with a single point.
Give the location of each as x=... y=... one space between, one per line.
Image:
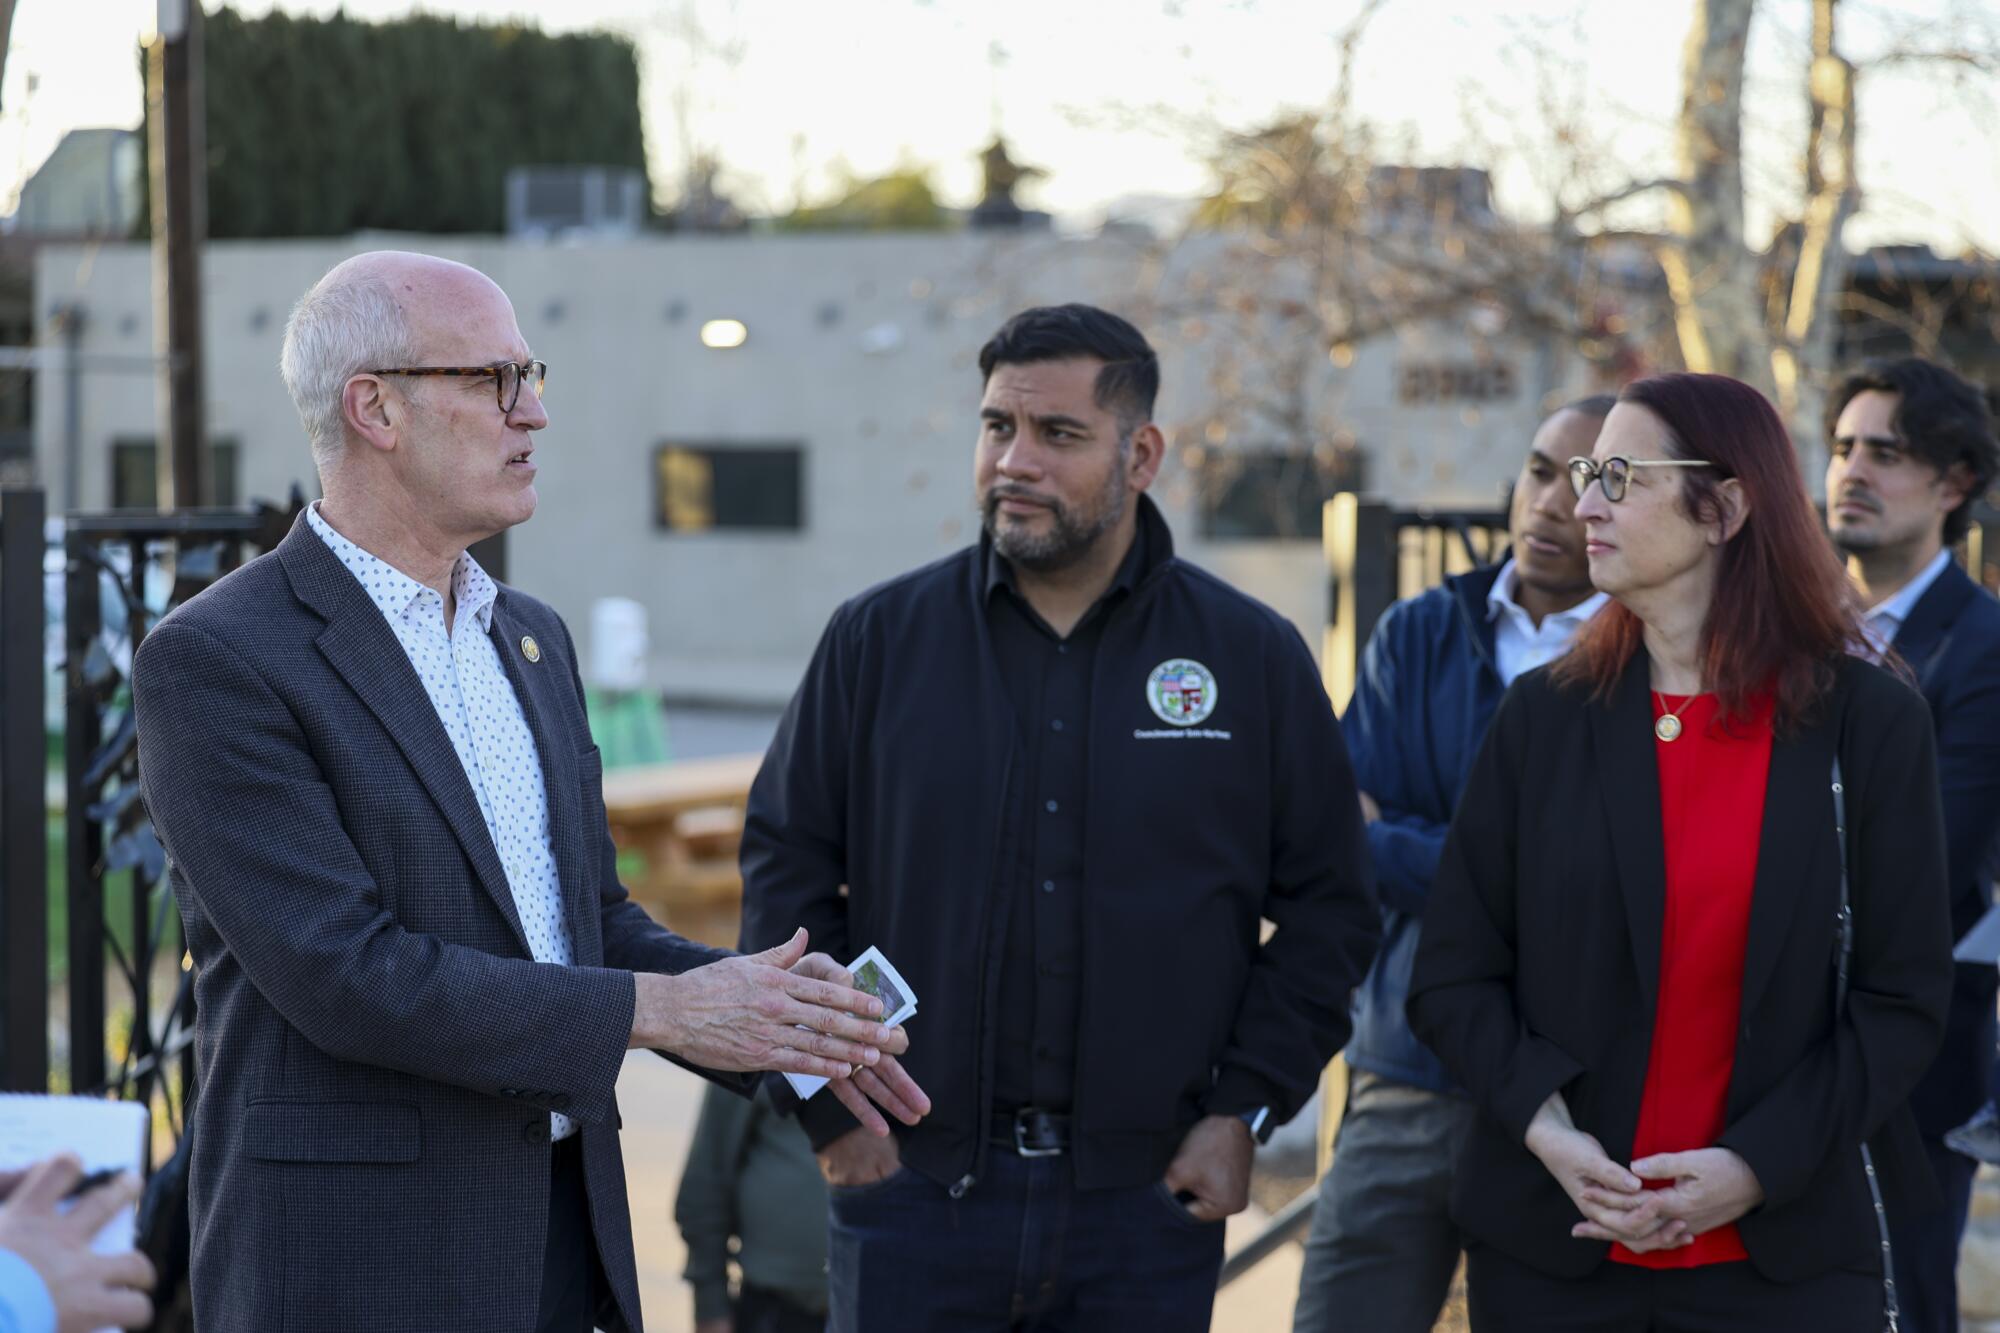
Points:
x=1112 y=96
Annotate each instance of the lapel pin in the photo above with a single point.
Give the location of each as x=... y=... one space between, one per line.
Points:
x=530 y=649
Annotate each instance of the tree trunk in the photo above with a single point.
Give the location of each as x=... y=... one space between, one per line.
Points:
x=1711 y=274
x=1802 y=358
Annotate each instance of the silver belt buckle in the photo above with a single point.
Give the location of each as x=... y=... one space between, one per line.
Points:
x=1021 y=1143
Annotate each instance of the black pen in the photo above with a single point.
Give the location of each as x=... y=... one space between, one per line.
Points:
x=92 y=1181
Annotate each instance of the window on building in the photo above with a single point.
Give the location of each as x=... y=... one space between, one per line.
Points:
x=1271 y=494
x=703 y=487
x=135 y=478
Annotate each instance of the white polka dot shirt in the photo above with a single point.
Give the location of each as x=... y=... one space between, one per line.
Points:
x=462 y=674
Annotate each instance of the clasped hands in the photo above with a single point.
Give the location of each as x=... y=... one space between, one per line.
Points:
x=1710 y=1187
x=784 y=1010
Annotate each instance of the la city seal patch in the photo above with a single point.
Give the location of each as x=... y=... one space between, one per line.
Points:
x=1181 y=692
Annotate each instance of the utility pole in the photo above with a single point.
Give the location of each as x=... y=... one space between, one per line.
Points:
x=6 y=30
x=177 y=158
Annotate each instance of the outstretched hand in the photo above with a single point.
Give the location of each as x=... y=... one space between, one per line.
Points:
x=885 y=1083
x=755 y=1013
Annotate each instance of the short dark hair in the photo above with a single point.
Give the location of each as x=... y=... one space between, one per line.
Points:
x=1598 y=405
x=1941 y=418
x=1130 y=378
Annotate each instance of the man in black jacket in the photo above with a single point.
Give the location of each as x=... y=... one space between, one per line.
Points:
x=1063 y=777
x=1910 y=445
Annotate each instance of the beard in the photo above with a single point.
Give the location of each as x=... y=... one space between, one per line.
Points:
x=1072 y=533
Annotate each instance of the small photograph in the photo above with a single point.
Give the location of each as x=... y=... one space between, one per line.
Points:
x=878 y=976
x=873 y=974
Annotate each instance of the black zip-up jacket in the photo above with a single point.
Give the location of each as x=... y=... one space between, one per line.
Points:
x=891 y=773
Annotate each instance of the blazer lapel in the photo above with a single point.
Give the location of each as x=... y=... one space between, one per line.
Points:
x=359 y=644
x=1922 y=639
x=1629 y=784
x=539 y=685
x=1795 y=838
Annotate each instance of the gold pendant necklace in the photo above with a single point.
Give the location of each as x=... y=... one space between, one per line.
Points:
x=1668 y=725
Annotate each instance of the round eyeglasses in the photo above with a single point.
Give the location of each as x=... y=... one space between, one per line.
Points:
x=1614 y=474
x=507 y=377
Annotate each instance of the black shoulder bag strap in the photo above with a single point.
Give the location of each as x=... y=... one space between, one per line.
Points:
x=1846 y=920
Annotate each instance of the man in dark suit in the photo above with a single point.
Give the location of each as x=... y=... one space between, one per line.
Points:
x=1911 y=447
x=418 y=974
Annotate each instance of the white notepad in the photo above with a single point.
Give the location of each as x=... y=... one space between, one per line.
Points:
x=104 y=1135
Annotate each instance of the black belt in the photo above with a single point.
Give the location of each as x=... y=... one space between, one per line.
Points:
x=1032 y=1131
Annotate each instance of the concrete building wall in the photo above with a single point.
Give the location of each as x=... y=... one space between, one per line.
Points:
x=860 y=349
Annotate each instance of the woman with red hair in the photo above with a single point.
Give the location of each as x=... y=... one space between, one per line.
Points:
x=1689 y=944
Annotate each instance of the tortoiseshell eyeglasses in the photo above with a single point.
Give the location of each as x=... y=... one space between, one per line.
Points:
x=507 y=377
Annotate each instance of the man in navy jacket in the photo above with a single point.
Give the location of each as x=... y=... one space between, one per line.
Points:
x=1383 y=1246
x=1061 y=779
x=1911 y=444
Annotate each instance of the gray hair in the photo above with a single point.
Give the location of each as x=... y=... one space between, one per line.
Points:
x=347 y=323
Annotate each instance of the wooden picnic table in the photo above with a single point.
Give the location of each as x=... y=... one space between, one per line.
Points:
x=686 y=820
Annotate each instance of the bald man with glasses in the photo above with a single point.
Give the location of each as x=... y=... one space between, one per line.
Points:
x=418 y=975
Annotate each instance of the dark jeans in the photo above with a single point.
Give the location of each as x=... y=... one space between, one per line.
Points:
x=759 y=1311
x=1023 y=1250
x=1383 y=1246
x=1926 y=1247
x=571 y=1279
x=1510 y=1297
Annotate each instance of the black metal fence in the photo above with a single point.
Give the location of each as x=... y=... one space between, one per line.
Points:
x=1377 y=554
x=120 y=572
x=24 y=985
x=123 y=571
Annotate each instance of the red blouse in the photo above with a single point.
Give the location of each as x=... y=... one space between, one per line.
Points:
x=1712 y=783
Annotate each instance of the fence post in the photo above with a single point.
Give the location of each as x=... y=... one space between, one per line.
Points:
x=24 y=826
x=82 y=733
x=1359 y=538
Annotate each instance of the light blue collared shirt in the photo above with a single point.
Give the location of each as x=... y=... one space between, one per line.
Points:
x=25 y=1303
x=1881 y=623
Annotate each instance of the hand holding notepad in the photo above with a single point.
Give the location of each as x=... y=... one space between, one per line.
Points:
x=52 y=1149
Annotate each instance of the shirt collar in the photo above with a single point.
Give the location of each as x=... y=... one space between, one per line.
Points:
x=1500 y=601
x=395 y=593
x=1890 y=613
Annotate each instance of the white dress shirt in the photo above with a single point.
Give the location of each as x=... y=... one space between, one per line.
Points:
x=1882 y=622
x=1519 y=644
x=467 y=685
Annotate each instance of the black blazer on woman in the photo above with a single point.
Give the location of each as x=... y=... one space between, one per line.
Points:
x=1540 y=964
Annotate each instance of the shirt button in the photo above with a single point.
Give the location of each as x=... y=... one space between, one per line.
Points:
x=1056 y=725
x=1048 y=886
x=1062 y=647
x=536 y=1131
x=1050 y=807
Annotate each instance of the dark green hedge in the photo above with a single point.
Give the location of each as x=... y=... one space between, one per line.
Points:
x=320 y=127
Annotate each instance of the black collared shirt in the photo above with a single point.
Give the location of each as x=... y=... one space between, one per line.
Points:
x=1048 y=681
